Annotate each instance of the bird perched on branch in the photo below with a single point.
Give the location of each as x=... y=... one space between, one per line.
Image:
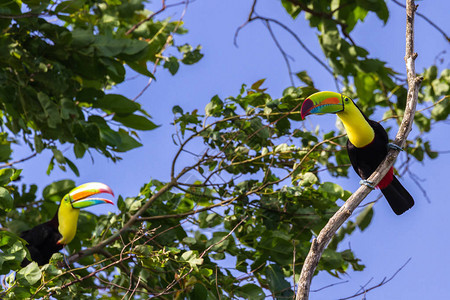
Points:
x=367 y=144
x=50 y=237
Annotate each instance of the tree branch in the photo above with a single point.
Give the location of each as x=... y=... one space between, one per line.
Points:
x=253 y=16
x=9 y=164
x=326 y=234
x=283 y=53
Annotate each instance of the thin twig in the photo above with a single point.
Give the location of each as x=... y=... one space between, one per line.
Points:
x=253 y=17
x=90 y=274
x=328 y=286
x=18 y=161
x=383 y=282
x=283 y=53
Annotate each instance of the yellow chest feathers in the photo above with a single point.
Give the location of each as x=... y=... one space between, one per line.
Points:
x=68 y=219
x=359 y=131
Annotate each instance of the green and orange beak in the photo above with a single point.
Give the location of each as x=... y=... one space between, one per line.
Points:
x=322 y=103
x=79 y=195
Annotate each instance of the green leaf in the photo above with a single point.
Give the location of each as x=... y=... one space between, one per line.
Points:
x=50 y=110
x=58 y=156
x=431 y=73
x=172 y=65
x=12 y=255
x=51 y=166
x=422 y=122
x=6 y=175
x=69 y=7
x=192 y=258
x=214 y=107
x=189 y=241
x=58 y=189
x=250 y=291
x=143 y=250
x=308 y=179
x=141 y=68
x=431 y=154
x=177 y=110
x=333 y=190
x=132 y=205
x=117 y=104
x=38 y=144
x=112 y=47
x=126 y=142
x=192 y=57
x=110 y=136
x=136 y=122
x=304 y=77
x=72 y=166
x=291 y=8
x=68 y=109
x=79 y=150
x=383 y=11
x=441 y=111
x=278 y=285
x=7 y=238
x=365 y=86
x=6 y=201
x=256 y=86
x=365 y=217
x=199 y=292
x=30 y=274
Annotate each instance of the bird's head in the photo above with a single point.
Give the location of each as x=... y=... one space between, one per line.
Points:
x=72 y=202
x=325 y=102
x=78 y=197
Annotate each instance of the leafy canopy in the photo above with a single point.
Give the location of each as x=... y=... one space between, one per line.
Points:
x=242 y=227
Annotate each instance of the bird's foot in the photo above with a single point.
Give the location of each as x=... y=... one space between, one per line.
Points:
x=394 y=146
x=367 y=183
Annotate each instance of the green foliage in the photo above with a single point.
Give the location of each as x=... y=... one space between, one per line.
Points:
x=54 y=73
x=13 y=252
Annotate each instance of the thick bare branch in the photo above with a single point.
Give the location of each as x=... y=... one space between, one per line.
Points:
x=326 y=234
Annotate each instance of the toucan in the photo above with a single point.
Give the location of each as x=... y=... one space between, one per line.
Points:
x=367 y=144
x=50 y=237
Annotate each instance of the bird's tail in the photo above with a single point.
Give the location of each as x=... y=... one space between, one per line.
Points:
x=397 y=196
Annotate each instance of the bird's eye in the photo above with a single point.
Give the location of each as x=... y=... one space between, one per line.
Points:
x=346 y=99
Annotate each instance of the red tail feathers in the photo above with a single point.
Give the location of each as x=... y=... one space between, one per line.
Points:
x=387 y=179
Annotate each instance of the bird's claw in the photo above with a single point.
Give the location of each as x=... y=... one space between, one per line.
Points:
x=394 y=146
x=367 y=183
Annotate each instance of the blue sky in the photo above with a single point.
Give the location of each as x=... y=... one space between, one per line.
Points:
x=390 y=240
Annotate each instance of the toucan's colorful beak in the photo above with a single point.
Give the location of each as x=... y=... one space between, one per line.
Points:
x=79 y=194
x=322 y=103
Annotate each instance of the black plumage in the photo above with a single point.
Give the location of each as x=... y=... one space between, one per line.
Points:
x=43 y=241
x=365 y=161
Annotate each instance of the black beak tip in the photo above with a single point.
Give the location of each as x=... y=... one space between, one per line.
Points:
x=306 y=108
